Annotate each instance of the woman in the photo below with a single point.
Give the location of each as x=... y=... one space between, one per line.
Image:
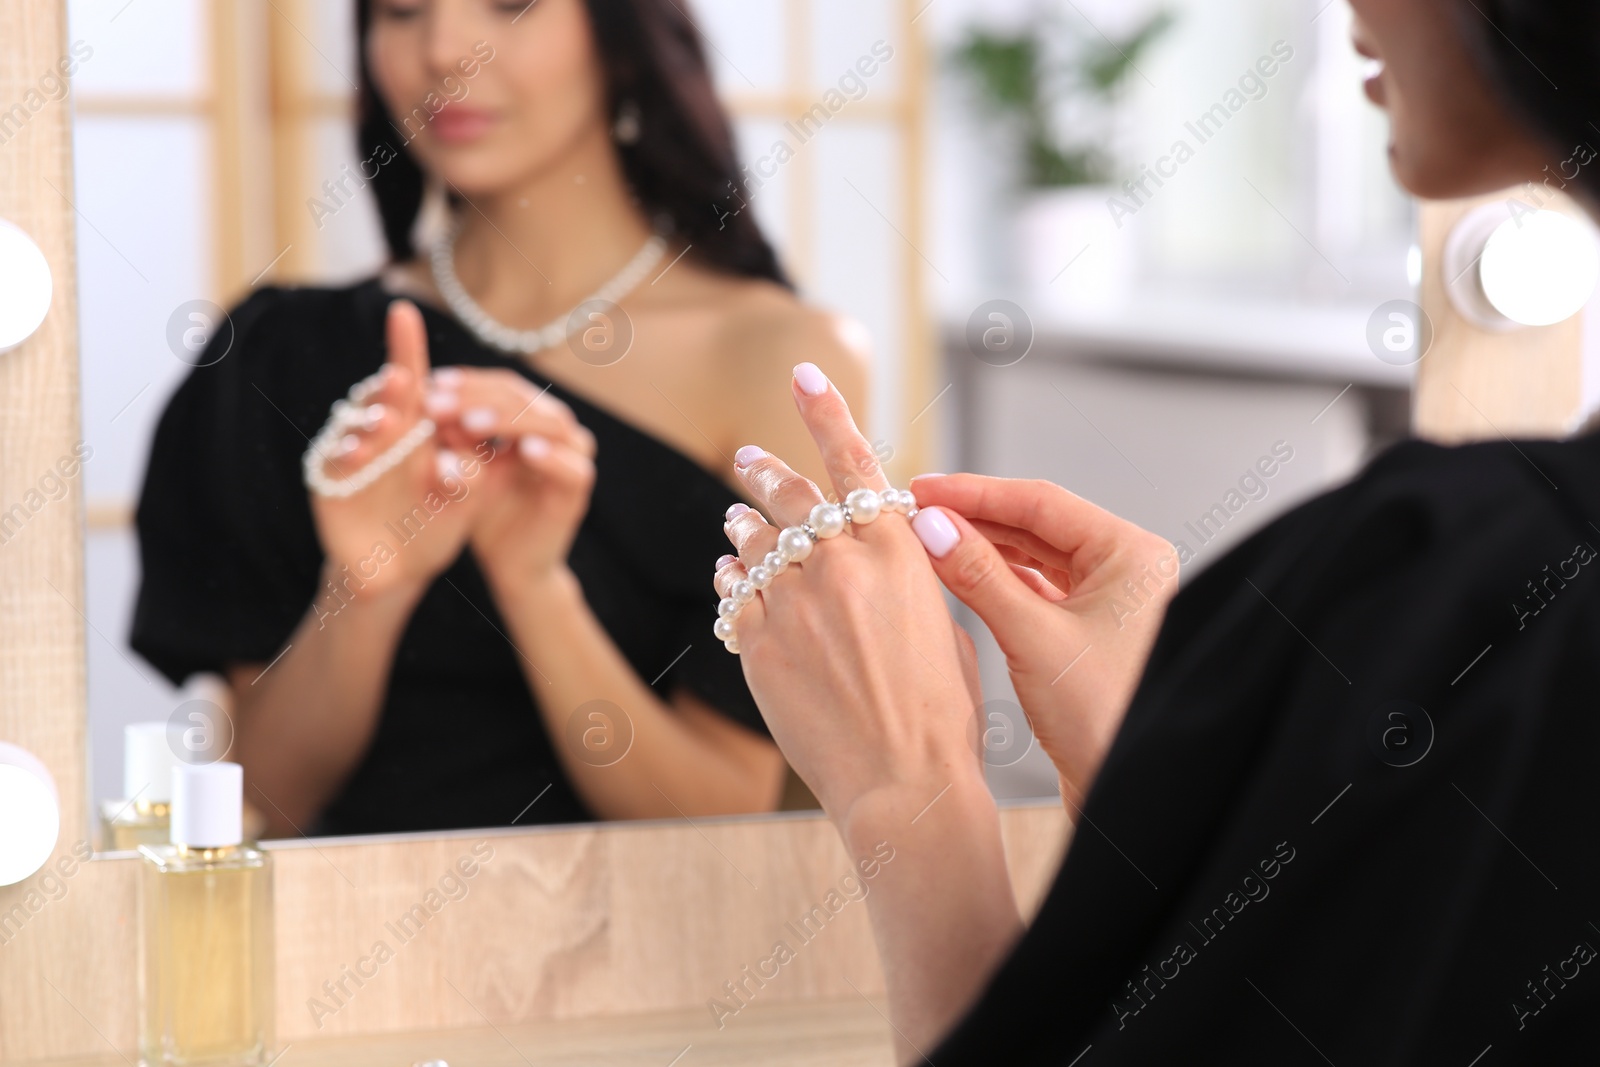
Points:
x=489 y=634
x=1350 y=813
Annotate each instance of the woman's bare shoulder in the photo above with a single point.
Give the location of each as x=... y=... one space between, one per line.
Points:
x=765 y=329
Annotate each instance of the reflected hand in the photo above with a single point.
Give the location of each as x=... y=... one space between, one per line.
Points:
x=1073 y=594
x=537 y=475
x=361 y=535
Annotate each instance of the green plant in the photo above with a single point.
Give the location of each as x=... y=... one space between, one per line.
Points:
x=1028 y=77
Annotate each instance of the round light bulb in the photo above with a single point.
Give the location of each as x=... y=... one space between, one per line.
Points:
x=25 y=286
x=30 y=814
x=1541 y=268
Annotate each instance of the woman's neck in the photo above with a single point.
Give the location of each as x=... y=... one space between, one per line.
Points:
x=532 y=251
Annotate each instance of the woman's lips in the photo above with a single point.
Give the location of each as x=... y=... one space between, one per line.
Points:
x=459 y=125
x=1374 y=84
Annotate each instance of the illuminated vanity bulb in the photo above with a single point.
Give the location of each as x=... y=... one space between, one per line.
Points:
x=1540 y=269
x=25 y=286
x=30 y=814
x=1508 y=266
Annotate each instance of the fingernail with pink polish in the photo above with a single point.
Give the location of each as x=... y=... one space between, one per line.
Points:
x=735 y=511
x=479 y=420
x=747 y=455
x=936 y=532
x=724 y=561
x=534 y=447
x=347 y=444
x=447 y=377
x=439 y=402
x=811 y=380
x=449 y=465
x=930 y=474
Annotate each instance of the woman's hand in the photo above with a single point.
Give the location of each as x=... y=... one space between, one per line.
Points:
x=851 y=653
x=534 y=486
x=1073 y=594
x=401 y=532
x=858 y=669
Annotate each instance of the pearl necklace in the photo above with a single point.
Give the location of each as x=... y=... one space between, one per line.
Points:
x=496 y=334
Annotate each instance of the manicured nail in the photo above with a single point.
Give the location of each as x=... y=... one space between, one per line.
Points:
x=735 y=511
x=479 y=420
x=747 y=455
x=724 y=561
x=449 y=466
x=448 y=377
x=811 y=380
x=372 y=416
x=929 y=475
x=441 y=402
x=937 y=533
x=347 y=444
x=535 y=447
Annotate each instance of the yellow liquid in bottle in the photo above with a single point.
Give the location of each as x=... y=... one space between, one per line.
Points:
x=207 y=974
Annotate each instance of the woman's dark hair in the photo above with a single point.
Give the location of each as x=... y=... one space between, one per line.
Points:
x=1545 y=57
x=682 y=167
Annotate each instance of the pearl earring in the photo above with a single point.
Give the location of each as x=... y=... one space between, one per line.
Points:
x=628 y=127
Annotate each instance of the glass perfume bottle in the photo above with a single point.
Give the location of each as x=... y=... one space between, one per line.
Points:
x=143 y=814
x=206 y=941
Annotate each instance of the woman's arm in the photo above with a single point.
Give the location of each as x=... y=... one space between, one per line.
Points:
x=943 y=912
x=856 y=665
x=302 y=723
x=685 y=759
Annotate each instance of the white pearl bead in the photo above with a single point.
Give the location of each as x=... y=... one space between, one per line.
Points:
x=760 y=577
x=908 y=501
x=827 y=520
x=775 y=562
x=743 y=591
x=732 y=646
x=724 y=630
x=795 y=543
x=865 y=506
x=728 y=608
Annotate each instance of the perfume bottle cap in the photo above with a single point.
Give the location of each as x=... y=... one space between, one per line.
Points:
x=207 y=805
x=148 y=755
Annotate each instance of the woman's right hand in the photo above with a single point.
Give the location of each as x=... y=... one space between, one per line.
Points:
x=408 y=527
x=1073 y=594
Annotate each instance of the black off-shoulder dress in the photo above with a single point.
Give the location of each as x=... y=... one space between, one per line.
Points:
x=1353 y=816
x=231 y=566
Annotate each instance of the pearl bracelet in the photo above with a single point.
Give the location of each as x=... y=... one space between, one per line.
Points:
x=347 y=414
x=861 y=507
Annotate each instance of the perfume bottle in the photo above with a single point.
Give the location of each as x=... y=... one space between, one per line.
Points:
x=144 y=813
x=206 y=944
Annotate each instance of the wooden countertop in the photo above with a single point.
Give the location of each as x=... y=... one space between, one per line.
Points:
x=826 y=1034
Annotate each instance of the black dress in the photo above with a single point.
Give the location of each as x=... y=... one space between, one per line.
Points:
x=231 y=564
x=1353 y=816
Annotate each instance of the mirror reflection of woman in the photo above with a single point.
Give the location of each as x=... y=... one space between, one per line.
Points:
x=504 y=627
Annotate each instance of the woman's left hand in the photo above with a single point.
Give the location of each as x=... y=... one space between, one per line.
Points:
x=851 y=653
x=538 y=470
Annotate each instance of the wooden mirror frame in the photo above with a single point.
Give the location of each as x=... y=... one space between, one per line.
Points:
x=556 y=923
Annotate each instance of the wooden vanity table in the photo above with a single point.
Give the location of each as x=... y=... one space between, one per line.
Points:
x=822 y=1034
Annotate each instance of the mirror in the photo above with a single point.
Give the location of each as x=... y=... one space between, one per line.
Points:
x=1177 y=279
